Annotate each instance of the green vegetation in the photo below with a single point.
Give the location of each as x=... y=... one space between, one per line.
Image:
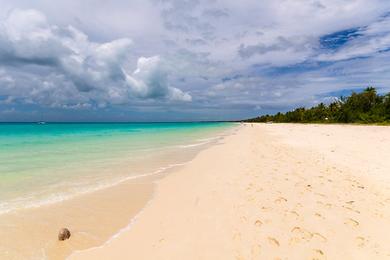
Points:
x=366 y=107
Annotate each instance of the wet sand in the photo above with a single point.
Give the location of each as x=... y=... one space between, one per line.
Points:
x=269 y=191
x=91 y=218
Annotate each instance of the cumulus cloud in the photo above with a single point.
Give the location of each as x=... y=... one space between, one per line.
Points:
x=69 y=70
x=150 y=80
x=229 y=58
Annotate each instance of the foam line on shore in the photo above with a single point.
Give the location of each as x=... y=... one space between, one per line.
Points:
x=27 y=202
x=56 y=198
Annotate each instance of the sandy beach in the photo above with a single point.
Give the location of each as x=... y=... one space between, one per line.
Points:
x=269 y=191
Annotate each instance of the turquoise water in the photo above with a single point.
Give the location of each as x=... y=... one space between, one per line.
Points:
x=50 y=162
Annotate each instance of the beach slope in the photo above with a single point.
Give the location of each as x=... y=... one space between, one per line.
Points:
x=269 y=191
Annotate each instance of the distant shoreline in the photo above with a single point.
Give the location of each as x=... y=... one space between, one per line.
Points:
x=366 y=107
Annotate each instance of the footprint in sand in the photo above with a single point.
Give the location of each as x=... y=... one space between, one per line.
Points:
x=360 y=241
x=301 y=234
x=351 y=209
x=326 y=205
x=319 y=237
x=292 y=213
x=258 y=223
x=280 y=200
x=355 y=183
x=318 y=254
x=351 y=222
x=273 y=241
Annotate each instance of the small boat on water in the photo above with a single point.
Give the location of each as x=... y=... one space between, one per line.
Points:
x=41 y=123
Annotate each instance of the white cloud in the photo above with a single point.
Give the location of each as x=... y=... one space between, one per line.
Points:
x=57 y=53
x=149 y=80
x=69 y=70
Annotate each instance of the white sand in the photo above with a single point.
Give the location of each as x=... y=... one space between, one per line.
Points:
x=277 y=191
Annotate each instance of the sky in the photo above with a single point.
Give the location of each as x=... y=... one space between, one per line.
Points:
x=186 y=60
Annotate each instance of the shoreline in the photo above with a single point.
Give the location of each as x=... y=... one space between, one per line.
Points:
x=107 y=183
x=44 y=165
x=100 y=187
x=248 y=208
x=166 y=174
x=92 y=217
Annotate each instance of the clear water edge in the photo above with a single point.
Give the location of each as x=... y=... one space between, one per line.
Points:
x=41 y=164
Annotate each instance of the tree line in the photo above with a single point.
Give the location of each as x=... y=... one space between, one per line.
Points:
x=364 y=107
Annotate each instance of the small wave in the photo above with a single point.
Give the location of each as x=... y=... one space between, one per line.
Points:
x=28 y=202
x=202 y=141
x=192 y=145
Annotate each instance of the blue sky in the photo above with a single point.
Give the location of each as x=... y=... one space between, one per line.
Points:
x=181 y=60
